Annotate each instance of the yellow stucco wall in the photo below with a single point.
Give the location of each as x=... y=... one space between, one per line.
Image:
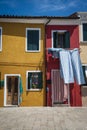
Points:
x=15 y=60
x=83 y=52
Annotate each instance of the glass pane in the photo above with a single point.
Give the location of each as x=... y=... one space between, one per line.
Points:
x=33 y=40
x=84 y=32
x=60 y=40
x=84 y=72
x=34 y=80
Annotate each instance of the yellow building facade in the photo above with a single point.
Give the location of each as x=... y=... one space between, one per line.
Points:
x=17 y=63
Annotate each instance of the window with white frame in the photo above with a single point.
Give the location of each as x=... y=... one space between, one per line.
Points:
x=0 y=39
x=84 y=31
x=34 y=80
x=60 y=39
x=33 y=39
x=85 y=73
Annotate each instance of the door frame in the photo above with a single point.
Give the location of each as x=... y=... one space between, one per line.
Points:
x=5 y=90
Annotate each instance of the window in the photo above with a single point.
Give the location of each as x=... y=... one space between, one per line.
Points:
x=33 y=40
x=34 y=80
x=61 y=39
x=85 y=73
x=85 y=32
x=0 y=39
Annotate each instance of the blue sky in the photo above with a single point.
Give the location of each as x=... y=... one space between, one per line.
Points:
x=42 y=7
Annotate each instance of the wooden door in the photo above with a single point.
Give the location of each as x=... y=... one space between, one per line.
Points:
x=12 y=84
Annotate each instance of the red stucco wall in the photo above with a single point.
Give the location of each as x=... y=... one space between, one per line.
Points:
x=75 y=90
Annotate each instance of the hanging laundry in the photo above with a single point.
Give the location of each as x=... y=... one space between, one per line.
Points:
x=70 y=65
x=77 y=67
x=66 y=66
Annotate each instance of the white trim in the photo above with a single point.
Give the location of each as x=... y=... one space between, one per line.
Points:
x=39 y=40
x=42 y=20
x=64 y=22
x=81 y=32
x=1 y=39
x=26 y=20
x=5 y=90
x=60 y=31
x=33 y=71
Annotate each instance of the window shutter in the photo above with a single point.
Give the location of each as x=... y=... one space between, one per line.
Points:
x=40 y=79
x=55 y=40
x=33 y=40
x=84 y=32
x=84 y=74
x=1 y=83
x=29 y=80
x=67 y=40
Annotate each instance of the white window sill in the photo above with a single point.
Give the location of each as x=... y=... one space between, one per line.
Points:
x=32 y=51
x=84 y=86
x=33 y=90
x=83 y=42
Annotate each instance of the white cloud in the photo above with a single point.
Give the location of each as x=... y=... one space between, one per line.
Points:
x=57 y=5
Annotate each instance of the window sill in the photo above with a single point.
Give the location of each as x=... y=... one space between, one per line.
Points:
x=30 y=90
x=32 y=51
x=84 y=86
x=83 y=42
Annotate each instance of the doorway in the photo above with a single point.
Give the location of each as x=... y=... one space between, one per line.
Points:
x=11 y=91
x=60 y=91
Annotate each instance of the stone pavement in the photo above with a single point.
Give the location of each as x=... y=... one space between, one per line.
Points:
x=43 y=118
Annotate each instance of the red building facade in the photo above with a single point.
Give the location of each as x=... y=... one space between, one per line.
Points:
x=54 y=63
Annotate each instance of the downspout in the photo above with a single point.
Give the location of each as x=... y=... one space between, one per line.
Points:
x=46 y=88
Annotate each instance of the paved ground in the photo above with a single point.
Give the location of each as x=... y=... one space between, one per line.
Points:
x=43 y=118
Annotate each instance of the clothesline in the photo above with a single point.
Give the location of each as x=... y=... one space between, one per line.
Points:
x=64 y=49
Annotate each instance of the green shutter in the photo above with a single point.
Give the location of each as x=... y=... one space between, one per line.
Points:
x=33 y=40
x=40 y=79
x=67 y=40
x=21 y=86
x=29 y=80
x=55 y=40
x=84 y=32
x=1 y=83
